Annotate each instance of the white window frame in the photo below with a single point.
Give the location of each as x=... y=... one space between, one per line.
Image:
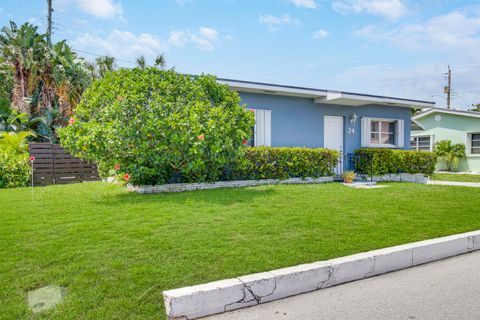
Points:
x=423 y=136
x=367 y=130
x=262 y=130
x=468 y=144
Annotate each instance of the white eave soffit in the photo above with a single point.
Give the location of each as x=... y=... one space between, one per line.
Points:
x=346 y=99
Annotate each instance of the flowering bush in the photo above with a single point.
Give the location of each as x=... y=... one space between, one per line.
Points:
x=158 y=126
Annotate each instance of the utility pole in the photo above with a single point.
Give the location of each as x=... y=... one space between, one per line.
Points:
x=49 y=18
x=448 y=88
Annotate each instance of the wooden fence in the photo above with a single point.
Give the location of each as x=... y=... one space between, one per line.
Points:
x=53 y=165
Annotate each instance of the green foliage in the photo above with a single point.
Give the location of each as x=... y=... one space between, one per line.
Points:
x=159 y=126
x=450 y=153
x=15 y=168
x=283 y=163
x=391 y=161
x=348 y=176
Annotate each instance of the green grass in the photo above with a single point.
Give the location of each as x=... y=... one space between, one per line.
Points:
x=116 y=252
x=456 y=177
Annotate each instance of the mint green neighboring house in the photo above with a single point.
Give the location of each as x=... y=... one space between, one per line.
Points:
x=433 y=125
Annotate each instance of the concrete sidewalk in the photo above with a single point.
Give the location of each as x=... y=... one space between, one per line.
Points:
x=447 y=289
x=454 y=183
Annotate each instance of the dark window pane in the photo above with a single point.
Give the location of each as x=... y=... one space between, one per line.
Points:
x=475 y=150
x=387 y=138
x=374 y=138
x=475 y=136
x=476 y=143
x=375 y=127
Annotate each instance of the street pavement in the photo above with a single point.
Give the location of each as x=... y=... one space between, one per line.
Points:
x=446 y=289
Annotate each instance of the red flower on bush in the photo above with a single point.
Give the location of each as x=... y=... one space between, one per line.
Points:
x=32 y=158
x=126 y=177
x=244 y=141
x=251 y=110
x=116 y=167
x=201 y=137
x=71 y=121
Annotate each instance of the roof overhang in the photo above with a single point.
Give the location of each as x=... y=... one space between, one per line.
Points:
x=415 y=125
x=324 y=96
x=355 y=100
x=473 y=114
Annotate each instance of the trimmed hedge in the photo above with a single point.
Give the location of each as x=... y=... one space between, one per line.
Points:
x=388 y=161
x=283 y=163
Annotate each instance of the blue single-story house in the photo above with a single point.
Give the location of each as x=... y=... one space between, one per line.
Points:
x=288 y=116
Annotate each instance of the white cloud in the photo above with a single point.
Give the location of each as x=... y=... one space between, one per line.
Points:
x=417 y=82
x=392 y=9
x=205 y=39
x=128 y=46
x=121 y=44
x=97 y=8
x=457 y=31
x=274 y=23
x=320 y=34
x=311 y=4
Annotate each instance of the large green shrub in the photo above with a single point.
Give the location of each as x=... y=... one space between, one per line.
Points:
x=283 y=163
x=14 y=166
x=159 y=126
x=387 y=161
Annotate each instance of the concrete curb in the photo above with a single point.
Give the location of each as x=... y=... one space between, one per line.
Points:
x=225 y=295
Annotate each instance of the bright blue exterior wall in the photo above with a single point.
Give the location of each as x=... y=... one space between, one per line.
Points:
x=299 y=121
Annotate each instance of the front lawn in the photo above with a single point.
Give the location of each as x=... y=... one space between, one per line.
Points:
x=456 y=177
x=116 y=252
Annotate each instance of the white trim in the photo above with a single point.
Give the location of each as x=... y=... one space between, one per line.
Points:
x=473 y=114
x=324 y=96
x=349 y=99
x=366 y=129
x=430 y=136
x=468 y=144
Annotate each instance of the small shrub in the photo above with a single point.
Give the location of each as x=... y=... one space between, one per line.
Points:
x=14 y=166
x=283 y=163
x=348 y=176
x=391 y=161
x=450 y=153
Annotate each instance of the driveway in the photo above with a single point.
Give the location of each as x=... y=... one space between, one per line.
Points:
x=447 y=289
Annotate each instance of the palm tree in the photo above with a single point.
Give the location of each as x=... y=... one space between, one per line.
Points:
x=450 y=153
x=21 y=49
x=160 y=61
x=141 y=63
x=103 y=65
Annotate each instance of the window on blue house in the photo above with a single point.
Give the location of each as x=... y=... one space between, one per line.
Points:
x=382 y=133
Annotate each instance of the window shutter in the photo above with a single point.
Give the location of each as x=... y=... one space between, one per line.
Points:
x=259 y=130
x=366 y=127
x=267 y=116
x=263 y=127
x=400 y=134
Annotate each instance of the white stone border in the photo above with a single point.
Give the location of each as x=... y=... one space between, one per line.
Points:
x=181 y=187
x=225 y=295
x=402 y=177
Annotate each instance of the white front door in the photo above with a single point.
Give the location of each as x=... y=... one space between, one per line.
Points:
x=333 y=136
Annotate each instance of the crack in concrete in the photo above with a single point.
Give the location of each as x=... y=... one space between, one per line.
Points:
x=330 y=271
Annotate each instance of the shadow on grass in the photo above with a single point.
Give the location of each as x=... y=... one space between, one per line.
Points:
x=223 y=196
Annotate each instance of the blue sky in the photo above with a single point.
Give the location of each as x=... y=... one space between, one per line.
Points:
x=390 y=47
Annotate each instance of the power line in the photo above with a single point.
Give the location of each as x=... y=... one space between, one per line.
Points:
x=102 y=55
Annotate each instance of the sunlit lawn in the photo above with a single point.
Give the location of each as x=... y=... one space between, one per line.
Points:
x=457 y=177
x=116 y=252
